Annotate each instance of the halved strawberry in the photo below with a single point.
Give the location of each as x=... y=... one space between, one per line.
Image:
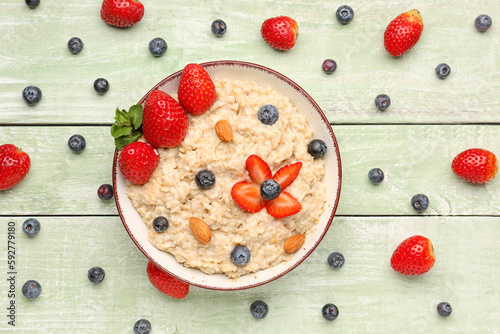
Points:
x=247 y=196
x=258 y=169
x=287 y=174
x=283 y=206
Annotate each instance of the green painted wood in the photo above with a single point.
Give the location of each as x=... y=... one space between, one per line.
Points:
x=371 y=297
x=33 y=51
x=415 y=159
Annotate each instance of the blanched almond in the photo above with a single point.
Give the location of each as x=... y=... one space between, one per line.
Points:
x=200 y=230
x=224 y=130
x=294 y=243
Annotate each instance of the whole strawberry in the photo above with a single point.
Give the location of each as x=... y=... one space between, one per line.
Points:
x=137 y=161
x=403 y=32
x=475 y=165
x=196 y=90
x=166 y=283
x=164 y=122
x=280 y=32
x=122 y=13
x=14 y=166
x=414 y=256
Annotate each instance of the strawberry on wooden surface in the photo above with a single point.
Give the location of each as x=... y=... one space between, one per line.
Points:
x=14 y=166
x=414 y=256
x=122 y=13
x=196 y=91
x=166 y=283
x=475 y=165
x=137 y=162
x=164 y=122
x=280 y=32
x=403 y=33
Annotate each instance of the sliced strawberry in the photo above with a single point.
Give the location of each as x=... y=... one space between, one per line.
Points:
x=247 y=196
x=283 y=206
x=287 y=174
x=258 y=169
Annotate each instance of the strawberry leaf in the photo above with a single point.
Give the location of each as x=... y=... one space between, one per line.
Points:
x=123 y=141
x=135 y=115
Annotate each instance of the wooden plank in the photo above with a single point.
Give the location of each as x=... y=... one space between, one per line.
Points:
x=33 y=51
x=371 y=297
x=415 y=159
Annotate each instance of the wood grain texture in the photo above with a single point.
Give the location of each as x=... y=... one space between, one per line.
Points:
x=371 y=297
x=414 y=158
x=33 y=51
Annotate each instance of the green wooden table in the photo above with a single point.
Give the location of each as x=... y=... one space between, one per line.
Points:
x=414 y=142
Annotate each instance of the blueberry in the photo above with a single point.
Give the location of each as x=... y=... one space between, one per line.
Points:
x=75 y=45
x=142 y=326
x=336 y=260
x=268 y=114
x=96 y=274
x=420 y=202
x=270 y=189
x=240 y=255
x=31 y=227
x=344 y=14
x=31 y=289
x=32 y=3
x=316 y=148
x=444 y=309
x=101 y=85
x=32 y=95
x=105 y=192
x=158 y=46
x=259 y=309
x=160 y=224
x=330 y=312
x=219 y=28
x=382 y=102
x=329 y=66
x=376 y=175
x=483 y=22
x=76 y=143
x=443 y=70
x=205 y=179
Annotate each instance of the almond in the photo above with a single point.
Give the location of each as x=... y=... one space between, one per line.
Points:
x=224 y=130
x=294 y=243
x=200 y=230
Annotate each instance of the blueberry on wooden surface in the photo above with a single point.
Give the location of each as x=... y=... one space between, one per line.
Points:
x=142 y=326
x=336 y=260
x=158 y=47
x=420 y=202
x=160 y=224
x=344 y=14
x=330 y=312
x=205 y=179
x=75 y=45
x=329 y=66
x=96 y=274
x=105 y=192
x=376 y=175
x=240 y=255
x=259 y=309
x=31 y=227
x=316 y=148
x=31 y=289
x=218 y=27
x=268 y=114
x=382 y=102
x=101 y=86
x=77 y=143
x=443 y=70
x=483 y=22
x=270 y=189
x=32 y=3
x=32 y=95
x=444 y=309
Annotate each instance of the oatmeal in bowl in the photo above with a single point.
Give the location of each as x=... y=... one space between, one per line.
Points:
x=250 y=190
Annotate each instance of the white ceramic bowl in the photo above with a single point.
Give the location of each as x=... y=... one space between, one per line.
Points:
x=237 y=70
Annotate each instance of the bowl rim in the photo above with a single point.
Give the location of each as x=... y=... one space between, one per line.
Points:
x=325 y=120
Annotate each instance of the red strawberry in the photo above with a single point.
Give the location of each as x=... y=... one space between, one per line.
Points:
x=122 y=13
x=196 y=90
x=166 y=283
x=14 y=166
x=403 y=32
x=475 y=165
x=287 y=174
x=414 y=256
x=280 y=32
x=164 y=122
x=258 y=169
x=247 y=196
x=137 y=161
x=283 y=206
